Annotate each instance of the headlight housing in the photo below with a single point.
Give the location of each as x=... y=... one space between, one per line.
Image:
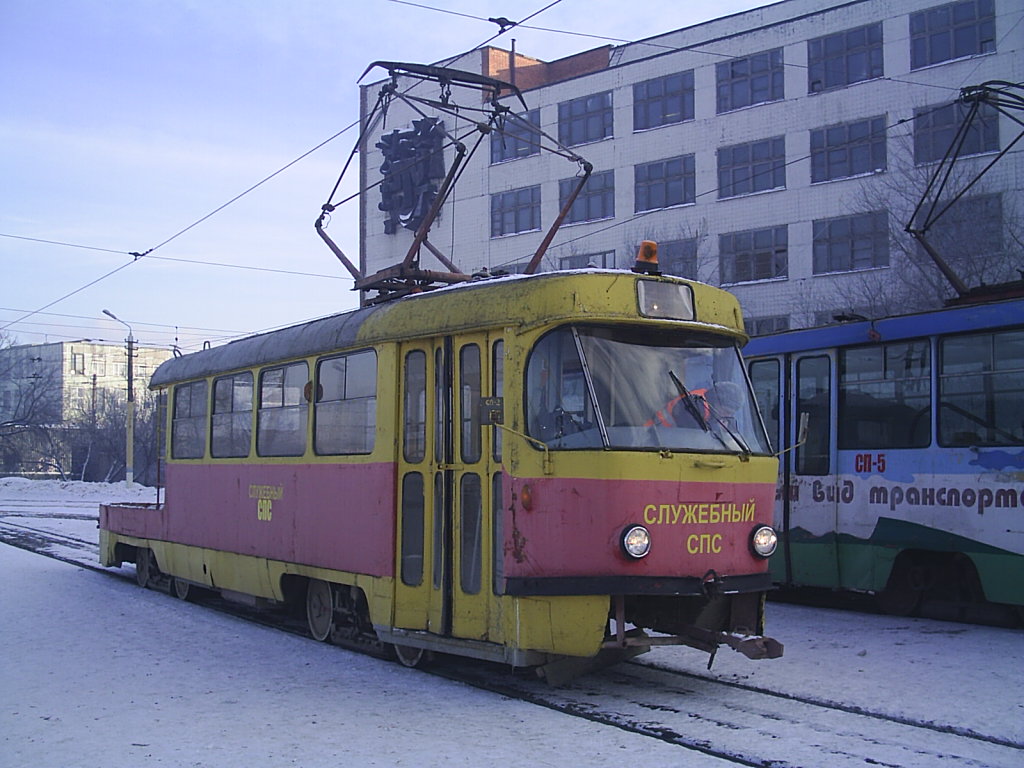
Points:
x=636 y=541
x=764 y=541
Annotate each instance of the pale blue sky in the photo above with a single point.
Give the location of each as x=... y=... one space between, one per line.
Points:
x=122 y=122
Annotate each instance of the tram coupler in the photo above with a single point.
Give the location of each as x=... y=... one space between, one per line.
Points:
x=752 y=646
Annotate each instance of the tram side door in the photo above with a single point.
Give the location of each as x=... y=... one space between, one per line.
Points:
x=416 y=508
x=813 y=494
x=445 y=460
x=468 y=500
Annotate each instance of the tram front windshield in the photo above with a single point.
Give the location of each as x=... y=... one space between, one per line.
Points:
x=638 y=389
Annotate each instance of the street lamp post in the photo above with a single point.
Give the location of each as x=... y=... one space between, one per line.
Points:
x=129 y=458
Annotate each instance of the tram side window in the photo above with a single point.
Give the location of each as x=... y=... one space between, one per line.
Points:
x=764 y=375
x=470 y=534
x=981 y=389
x=346 y=404
x=283 y=413
x=813 y=398
x=188 y=430
x=412 y=529
x=885 y=396
x=498 y=389
x=232 y=416
x=440 y=408
x=414 y=419
x=469 y=371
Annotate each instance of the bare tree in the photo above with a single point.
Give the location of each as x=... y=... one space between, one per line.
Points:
x=980 y=236
x=30 y=409
x=97 y=438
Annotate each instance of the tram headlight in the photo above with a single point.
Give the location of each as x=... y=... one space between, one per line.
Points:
x=636 y=541
x=764 y=540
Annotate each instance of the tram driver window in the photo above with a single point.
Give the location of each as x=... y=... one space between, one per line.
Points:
x=283 y=413
x=559 y=409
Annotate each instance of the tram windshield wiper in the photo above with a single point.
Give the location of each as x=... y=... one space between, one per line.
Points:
x=691 y=407
x=688 y=403
x=744 y=452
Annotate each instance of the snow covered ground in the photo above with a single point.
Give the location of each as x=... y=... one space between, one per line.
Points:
x=96 y=672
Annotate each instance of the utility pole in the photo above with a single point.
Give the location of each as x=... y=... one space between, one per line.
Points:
x=129 y=457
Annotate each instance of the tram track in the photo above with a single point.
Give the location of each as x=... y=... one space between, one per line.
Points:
x=945 y=728
x=42 y=542
x=748 y=725
x=737 y=722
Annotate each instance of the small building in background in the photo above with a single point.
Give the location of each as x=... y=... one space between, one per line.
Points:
x=62 y=407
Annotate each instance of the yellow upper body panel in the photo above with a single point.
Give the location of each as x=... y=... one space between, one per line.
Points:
x=519 y=302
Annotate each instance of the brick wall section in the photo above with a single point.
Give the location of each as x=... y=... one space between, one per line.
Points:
x=534 y=73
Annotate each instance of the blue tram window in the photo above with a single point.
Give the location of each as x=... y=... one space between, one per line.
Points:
x=981 y=389
x=814 y=387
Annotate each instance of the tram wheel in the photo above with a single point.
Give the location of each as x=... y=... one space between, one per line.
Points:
x=180 y=589
x=144 y=569
x=408 y=656
x=320 y=609
x=902 y=593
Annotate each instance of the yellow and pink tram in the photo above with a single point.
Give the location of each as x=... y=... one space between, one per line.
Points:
x=530 y=469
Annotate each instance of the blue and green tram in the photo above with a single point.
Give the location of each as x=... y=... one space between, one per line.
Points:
x=910 y=481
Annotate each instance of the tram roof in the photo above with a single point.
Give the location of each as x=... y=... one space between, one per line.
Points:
x=957 y=319
x=515 y=300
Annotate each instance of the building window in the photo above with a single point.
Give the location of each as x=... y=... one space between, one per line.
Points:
x=78 y=362
x=663 y=101
x=345 y=416
x=935 y=128
x=283 y=413
x=232 y=416
x=848 y=243
x=516 y=139
x=586 y=119
x=679 y=258
x=188 y=423
x=664 y=183
x=844 y=58
x=762 y=326
x=754 y=167
x=849 y=149
x=951 y=32
x=601 y=260
x=515 y=211
x=750 y=80
x=757 y=254
x=595 y=201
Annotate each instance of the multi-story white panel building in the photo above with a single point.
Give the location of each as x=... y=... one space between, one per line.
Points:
x=68 y=375
x=48 y=390
x=778 y=152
